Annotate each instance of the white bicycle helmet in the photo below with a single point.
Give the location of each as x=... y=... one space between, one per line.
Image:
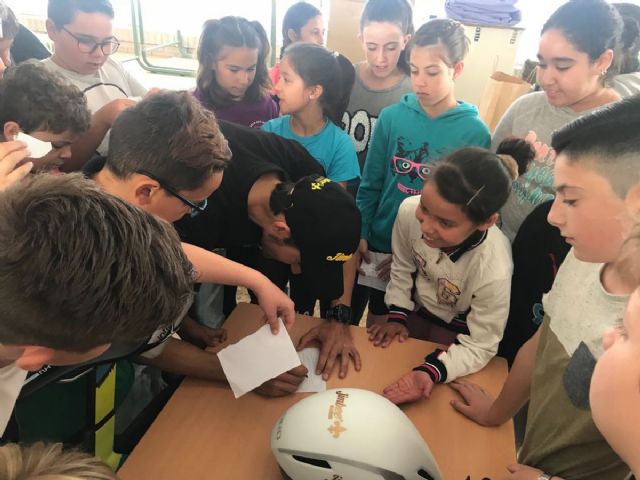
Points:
x=350 y=434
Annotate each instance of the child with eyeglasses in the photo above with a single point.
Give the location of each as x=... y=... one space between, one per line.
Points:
x=411 y=136
x=84 y=42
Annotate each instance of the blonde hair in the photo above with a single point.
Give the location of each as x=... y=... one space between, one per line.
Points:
x=42 y=461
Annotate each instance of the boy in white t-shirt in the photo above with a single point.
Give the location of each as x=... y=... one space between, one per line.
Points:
x=82 y=35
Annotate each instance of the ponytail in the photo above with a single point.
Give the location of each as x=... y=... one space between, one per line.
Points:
x=630 y=40
x=280 y=199
x=516 y=155
x=333 y=71
x=480 y=181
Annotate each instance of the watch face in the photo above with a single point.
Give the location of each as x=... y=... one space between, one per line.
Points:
x=342 y=313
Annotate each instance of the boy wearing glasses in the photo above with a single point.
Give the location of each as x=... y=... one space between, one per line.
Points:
x=169 y=178
x=82 y=34
x=170 y=170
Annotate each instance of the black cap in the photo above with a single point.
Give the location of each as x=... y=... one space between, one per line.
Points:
x=325 y=226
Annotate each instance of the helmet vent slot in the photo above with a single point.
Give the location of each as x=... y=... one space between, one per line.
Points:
x=424 y=474
x=315 y=462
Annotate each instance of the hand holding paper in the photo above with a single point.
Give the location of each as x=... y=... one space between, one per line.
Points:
x=313 y=382
x=257 y=358
x=13 y=154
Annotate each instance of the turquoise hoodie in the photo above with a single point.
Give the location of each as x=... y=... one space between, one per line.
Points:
x=406 y=143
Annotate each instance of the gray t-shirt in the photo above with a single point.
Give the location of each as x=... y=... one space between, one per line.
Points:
x=627 y=84
x=561 y=438
x=364 y=108
x=530 y=112
x=109 y=83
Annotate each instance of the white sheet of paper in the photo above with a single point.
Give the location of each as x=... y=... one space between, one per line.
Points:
x=257 y=358
x=370 y=277
x=313 y=382
x=38 y=148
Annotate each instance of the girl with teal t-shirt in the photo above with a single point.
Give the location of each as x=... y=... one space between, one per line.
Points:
x=314 y=89
x=411 y=136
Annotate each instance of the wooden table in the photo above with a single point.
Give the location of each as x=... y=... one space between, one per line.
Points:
x=204 y=433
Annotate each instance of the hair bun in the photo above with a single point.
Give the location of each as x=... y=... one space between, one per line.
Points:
x=280 y=199
x=511 y=165
x=516 y=154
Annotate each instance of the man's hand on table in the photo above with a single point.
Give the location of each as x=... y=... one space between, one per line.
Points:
x=201 y=335
x=284 y=384
x=336 y=342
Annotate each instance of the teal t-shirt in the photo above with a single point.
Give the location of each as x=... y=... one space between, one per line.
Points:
x=405 y=146
x=331 y=146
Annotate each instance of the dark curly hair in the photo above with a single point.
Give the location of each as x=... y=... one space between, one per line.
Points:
x=38 y=99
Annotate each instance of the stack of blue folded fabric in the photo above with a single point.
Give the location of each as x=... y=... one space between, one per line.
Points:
x=484 y=12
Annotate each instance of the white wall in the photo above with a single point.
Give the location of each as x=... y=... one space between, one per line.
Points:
x=534 y=14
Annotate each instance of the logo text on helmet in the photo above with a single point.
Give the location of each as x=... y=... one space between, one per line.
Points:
x=335 y=414
x=319 y=184
x=339 y=257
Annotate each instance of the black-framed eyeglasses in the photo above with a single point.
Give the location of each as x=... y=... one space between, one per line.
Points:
x=196 y=208
x=86 y=45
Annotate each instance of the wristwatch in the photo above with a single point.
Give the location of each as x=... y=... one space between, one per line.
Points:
x=544 y=476
x=340 y=312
